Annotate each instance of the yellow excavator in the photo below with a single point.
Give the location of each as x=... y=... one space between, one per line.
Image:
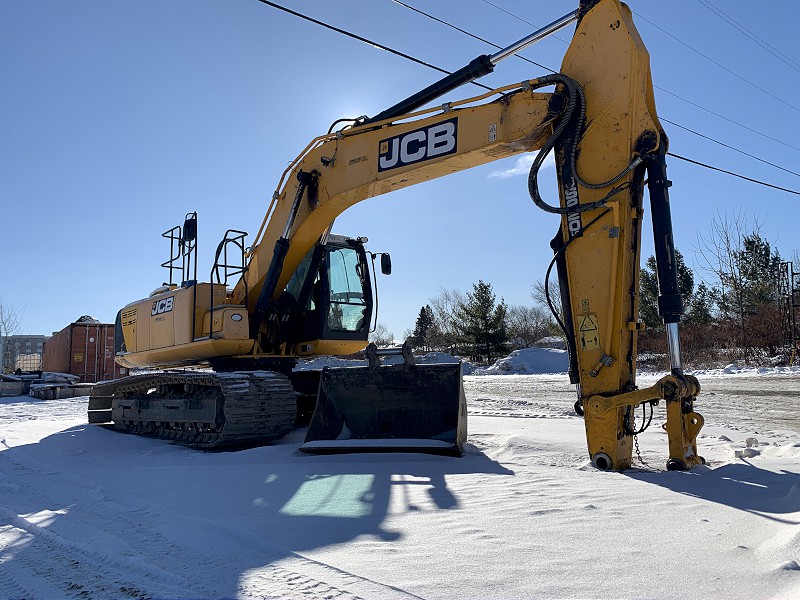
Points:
x=302 y=291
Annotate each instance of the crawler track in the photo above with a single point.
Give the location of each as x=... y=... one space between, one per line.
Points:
x=204 y=410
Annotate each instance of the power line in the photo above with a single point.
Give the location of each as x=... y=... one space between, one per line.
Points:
x=753 y=156
x=365 y=40
x=720 y=65
x=744 y=30
x=666 y=91
x=695 y=162
x=472 y=35
x=518 y=18
x=659 y=88
x=421 y=62
x=728 y=119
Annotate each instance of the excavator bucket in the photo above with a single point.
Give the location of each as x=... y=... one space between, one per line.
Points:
x=399 y=408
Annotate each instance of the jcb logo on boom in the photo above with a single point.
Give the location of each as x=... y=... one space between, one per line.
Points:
x=574 y=224
x=418 y=145
x=162 y=306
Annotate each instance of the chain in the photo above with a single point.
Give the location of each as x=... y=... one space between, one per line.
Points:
x=638 y=452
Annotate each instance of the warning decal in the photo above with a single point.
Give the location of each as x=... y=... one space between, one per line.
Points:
x=589 y=332
x=588 y=323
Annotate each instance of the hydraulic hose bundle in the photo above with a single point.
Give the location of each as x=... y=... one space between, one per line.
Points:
x=569 y=131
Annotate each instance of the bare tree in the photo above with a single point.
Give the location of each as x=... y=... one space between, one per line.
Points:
x=444 y=332
x=10 y=321
x=381 y=336
x=745 y=267
x=539 y=293
x=527 y=325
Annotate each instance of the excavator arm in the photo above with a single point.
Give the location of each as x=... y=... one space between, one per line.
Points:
x=602 y=125
x=341 y=169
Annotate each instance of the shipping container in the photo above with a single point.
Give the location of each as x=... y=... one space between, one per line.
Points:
x=85 y=349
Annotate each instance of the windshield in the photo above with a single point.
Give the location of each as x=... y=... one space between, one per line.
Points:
x=347 y=310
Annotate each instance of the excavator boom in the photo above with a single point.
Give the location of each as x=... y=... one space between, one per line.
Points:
x=602 y=125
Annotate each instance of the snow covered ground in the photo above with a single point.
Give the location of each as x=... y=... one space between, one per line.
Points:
x=86 y=512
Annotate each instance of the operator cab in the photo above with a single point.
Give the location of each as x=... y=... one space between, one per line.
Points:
x=332 y=297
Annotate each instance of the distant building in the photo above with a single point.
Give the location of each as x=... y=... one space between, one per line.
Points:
x=552 y=341
x=23 y=352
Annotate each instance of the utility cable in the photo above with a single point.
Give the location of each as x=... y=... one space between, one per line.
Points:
x=753 y=156
x=465 y=32
x=720 y=65
x=745 y=31
x=518 y=18
x=659 y=88
x=724 y=118
x=472 y=35
x=365 y=40
x=764 y=183
x=426 y=64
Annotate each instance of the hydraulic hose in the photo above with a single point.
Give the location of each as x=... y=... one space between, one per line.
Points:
x=574 y=115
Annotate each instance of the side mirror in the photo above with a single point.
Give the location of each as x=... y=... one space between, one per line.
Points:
x=386 y=263
x=189 y=228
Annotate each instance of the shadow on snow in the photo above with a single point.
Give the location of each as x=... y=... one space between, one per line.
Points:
x=181 y=508
x=741 y=485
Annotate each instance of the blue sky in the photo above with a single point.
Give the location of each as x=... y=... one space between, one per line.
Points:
x=120 y=117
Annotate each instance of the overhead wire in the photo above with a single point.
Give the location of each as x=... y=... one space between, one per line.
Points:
x=696 y=162
x=365 y=40
x=719 y=64
x=465 y=32
x=748 y=33
x=728 y=119
x=441 y=70
x=659 y=88
x=518 y=18
x=734 y=148
x=472 y=35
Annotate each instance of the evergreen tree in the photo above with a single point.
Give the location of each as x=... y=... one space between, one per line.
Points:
x=648 y=289
x=752 y=281
x=699 y=309
x=481 y=323
x=422 y=328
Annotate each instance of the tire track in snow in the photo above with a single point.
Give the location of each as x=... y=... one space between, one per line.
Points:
x=292 y=585
x=128 y=562
x=77 y=572
x=83 y=550
x=282 y=584
x=10 y=587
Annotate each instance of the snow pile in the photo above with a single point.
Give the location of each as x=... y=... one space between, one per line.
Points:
x=52 y=377
x=529 y=361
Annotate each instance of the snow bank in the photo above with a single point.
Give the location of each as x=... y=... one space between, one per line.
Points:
x=529 y=361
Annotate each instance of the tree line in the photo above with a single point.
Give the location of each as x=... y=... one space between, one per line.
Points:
x=475 y=324
x=735 y=312
x=731 y=306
